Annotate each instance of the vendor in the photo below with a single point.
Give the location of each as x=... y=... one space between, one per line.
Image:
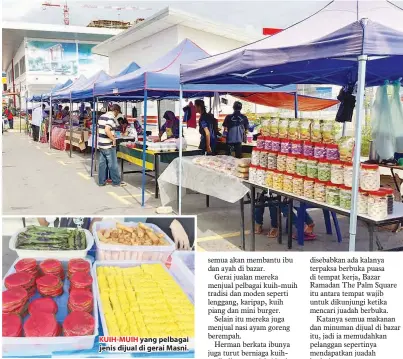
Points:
x=208 y=128
x=171 y=126
x=121 y=124
x=236 y=127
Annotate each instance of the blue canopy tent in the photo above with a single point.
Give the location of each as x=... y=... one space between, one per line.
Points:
x=130 y=68
x=46 y=97
x=161 y=79
x=361 y=43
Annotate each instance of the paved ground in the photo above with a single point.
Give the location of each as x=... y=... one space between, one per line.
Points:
x=49 y=182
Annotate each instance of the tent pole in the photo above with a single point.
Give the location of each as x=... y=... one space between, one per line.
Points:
x=26 y=116
x=143 y=182
x=362 y=63
x=50 y=122
x=93 y=136
x=40 y=126
x=210 y=103
x=71 y=125
x=96 y=135
x=180 y=148
x=343 y=132
x=159 y=115
x=296 y=105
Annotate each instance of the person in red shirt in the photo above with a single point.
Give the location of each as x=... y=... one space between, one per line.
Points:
x=10 y=117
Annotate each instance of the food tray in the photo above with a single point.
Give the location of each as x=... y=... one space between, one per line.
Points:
x=183 y=269
x=125 y=265
x=134 y=253
x=34 y=346
x=28 y=253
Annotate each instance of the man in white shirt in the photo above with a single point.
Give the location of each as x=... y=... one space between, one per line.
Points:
x=37 y=118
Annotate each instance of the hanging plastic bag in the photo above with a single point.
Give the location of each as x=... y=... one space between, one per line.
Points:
x=382 y=124
x=396 y=109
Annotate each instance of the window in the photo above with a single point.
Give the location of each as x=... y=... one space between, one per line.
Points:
x=16 y=70
x=22 y=65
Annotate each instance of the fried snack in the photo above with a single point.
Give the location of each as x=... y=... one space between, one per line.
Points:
x=122 y=227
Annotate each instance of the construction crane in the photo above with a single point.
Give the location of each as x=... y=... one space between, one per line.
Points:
x=66 y=13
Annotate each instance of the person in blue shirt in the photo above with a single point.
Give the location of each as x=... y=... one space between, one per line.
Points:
x=208 y=129
x=236 y=127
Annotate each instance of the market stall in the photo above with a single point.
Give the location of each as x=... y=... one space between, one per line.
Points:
x=52 y=293
x=354 y=59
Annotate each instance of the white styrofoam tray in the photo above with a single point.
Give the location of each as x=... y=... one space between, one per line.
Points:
x=34 y=346
x=106 y=251
x=182 y=268
x=125 y=265
x=28 y=253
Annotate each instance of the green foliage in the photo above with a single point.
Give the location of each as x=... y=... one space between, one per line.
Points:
x=366 y=139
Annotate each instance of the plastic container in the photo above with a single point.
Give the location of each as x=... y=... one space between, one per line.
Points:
x=390 y=197
x=283 y=128
x=285 y=146
x=260 y=142
x=291 y=163
x=362 y=202
x=336 y=172
x=319 y=191
x=57 y=254
x=267 y=143
x=272 y=160
x=275 y=144
x=269 y=178
x=278 y=178
x=38 y=346
x=345 y=197
x=255 y=157
x=301 y=166
x=263 y=158
x=305 y=130
x=260 y=176
x=274 y=124
x=377 y=204
x=370 y=179
x=319 y=150
x=178 y=279
x=348 y=174
x=252 y=173
x=293 y=129
x=312 y=168
x=324 y=170
x=298 y=185
x=307 y=149
x=327 y=131
x=183 y=269
x=107 y=251
x=281 y=162
x=296 y=147
x=287 y=182
x=309 y=188
x=316 y=131
x=332 y=152
x=332 y=194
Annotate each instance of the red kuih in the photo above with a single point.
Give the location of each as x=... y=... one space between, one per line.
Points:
x=78 y=324
x=77 y=265
x=41 y=325
x=80 y=280
x=49 y=285
x=52 y=266
x=27 y=265
x=12 y=325
x=43 y=305
x=14 y=300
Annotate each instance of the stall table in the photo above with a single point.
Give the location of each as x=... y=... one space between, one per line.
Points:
x=80 y=137
x=397 y=215
x=392 y=171
x=153 y=159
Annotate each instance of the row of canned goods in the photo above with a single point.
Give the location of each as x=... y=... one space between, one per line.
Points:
x=376 y=204
x=335 y=171
x=317 y=150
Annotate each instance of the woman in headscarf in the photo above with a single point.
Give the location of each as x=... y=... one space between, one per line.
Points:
x=171 y=126
x=208 y=128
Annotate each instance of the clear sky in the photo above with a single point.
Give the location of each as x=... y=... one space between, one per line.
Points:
x=250 y=15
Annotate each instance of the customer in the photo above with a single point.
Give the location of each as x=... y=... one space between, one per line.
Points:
x=107 y=148
x=273 y=233
x=38 y=115
x=171 y=126
x=236 y=127
x=10 y=117
x=208 y=129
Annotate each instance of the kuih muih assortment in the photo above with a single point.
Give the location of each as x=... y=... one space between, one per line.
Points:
x=56 y=298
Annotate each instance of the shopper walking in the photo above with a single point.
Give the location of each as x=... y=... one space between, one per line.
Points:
x=208 y=129
x=10 y=117
x=107 y=148
x=38 y=115
x=236 y=126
